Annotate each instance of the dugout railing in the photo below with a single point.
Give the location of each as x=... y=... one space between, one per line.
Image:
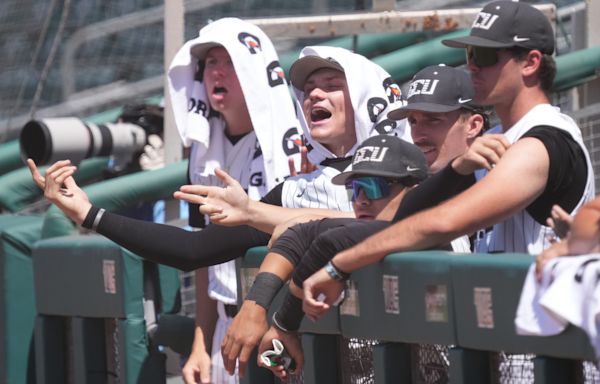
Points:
x=464 y=301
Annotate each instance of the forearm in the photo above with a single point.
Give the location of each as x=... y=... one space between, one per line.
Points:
x=265 y=217
x=176 y=247
x=206 y=311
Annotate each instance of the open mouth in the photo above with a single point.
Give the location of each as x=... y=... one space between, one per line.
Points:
x=319 y=114
x=219 y=90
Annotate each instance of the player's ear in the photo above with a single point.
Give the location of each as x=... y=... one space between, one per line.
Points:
x=475 y=124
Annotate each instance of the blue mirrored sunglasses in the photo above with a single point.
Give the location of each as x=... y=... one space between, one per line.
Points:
x=374 y=187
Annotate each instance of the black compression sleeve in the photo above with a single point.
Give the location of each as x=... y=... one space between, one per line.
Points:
x=432 y=191
x=176 y=247
x=335 y=240
x=295 y=240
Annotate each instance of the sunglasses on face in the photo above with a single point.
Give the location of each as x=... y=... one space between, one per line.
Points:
x=482 y=57
x=374 y=188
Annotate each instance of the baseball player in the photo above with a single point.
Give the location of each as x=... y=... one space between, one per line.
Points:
x=444 y=135
x=349 y=99
x=509 y=56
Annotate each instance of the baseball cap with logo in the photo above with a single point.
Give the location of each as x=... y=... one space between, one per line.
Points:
x=437 y=89
x=506 y=24
x=389 y=157
x=302 y=68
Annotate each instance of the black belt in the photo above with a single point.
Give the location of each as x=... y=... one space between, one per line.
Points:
x=231 y=310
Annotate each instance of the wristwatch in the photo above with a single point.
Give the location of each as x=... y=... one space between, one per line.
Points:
x=335 y=273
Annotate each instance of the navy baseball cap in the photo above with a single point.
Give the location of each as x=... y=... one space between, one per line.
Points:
x=386 y=156
x=438 y=89
x=302 y=68
x=506 y=24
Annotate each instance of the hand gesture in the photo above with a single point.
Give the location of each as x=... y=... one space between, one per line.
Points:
x=223 y=205
x=485 y=152
x=305 y=165
x=317 y=286
x=560 y=221
x=244 y=333
x=293 y=347
x=197 y=368
x=60 y=188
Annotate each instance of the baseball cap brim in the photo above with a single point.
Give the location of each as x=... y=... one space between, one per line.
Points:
x=305 y=66
x=475 y=41
x=402 y=112
x=343 y=177
x=199 y=51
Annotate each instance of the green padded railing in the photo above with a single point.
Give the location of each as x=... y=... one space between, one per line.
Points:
x=467 y=301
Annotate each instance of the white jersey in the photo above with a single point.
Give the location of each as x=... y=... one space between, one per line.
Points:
x=521 y=233
x=569 y=293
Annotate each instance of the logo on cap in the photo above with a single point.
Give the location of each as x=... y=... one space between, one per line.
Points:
x=370 y=153
x=422 y=87
x=485 y=20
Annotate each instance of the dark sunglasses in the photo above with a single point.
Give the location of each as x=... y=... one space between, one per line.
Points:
x=374 y=187
x=481 y=57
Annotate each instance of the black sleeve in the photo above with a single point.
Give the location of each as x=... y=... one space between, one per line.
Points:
x=567 y=174
x=432 y=191
x=273 y=197
x=176 y=247
x=297 y=239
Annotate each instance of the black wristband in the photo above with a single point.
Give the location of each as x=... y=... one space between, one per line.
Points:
x=88 y=222
x=290 y=314
x=265 y=287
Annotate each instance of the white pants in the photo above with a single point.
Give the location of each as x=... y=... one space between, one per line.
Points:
x=219 y=374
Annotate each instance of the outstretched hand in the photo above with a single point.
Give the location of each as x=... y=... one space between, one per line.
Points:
x=223 y=205
x=61 y=189
x=485 y=152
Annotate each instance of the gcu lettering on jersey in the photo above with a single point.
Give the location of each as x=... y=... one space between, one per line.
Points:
x=392 y=90
x=275 y=74
x=386 y=126
x=250 y=41
x=370 y=153
x=485 y=20
x=422 y=87
x=256 y=179
x=375 y=106
x=291 y=141
x=199 y=107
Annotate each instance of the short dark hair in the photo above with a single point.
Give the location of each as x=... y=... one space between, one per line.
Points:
x=547 y=71
x=465 y=113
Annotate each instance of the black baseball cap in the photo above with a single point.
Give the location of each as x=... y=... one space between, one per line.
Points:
x=506 y=24
x=438 y=88
x=302 y=68
x=386 y=156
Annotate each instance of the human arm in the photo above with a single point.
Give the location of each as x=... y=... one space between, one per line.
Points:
x=497 y=196
x=230 y=206
x=197 y=368
x=583 y=238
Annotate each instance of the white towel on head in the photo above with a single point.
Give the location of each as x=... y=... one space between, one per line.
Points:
x=373 y=94
x=265 y=90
